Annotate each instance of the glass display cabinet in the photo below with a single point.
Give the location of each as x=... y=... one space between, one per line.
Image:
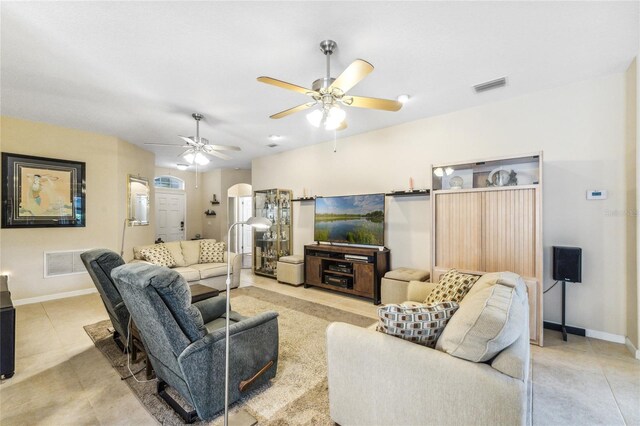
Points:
x=271 y=244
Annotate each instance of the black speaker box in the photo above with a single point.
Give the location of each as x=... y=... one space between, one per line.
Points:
x=567 y=264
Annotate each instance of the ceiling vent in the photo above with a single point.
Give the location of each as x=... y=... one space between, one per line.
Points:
x=490 y=85
x=272 y=145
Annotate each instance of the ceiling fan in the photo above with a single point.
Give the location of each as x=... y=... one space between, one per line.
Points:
x=330 y=93
x=198 y=148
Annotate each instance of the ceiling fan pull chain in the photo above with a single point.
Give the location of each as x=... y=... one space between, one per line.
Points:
x=335 y=141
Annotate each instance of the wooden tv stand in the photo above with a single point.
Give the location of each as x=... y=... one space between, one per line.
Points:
x=352 y=270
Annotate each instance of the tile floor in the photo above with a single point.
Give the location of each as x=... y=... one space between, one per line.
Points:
x=62 y=379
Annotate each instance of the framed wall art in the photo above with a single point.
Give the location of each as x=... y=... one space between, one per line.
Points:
x=40 y=192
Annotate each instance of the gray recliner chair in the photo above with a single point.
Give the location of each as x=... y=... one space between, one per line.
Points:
x=186 y=343
x=99 y=264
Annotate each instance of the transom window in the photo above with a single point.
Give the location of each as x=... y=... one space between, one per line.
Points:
x=170 y=182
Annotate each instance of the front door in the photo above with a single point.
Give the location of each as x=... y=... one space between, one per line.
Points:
x=170 y=217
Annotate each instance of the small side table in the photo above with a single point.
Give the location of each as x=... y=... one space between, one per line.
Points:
x=200 y=292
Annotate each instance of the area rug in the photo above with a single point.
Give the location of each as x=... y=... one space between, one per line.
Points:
x=297 y=395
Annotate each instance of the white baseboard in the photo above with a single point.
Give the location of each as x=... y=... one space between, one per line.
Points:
x=634 y=351
x=602 y=335
x=55 y=296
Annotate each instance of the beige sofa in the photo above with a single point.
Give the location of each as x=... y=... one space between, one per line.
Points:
x=377 y=379
x=187 y=257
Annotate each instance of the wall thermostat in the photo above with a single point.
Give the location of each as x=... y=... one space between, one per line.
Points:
x=597 y=194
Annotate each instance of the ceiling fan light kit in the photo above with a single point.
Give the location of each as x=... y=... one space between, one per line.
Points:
x=329 y=93
x=196 y=157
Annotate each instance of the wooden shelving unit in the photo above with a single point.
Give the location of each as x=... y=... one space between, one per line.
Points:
x=487 y=217
x=360 y=269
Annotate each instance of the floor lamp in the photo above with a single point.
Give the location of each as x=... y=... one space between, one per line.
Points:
x=258 y=223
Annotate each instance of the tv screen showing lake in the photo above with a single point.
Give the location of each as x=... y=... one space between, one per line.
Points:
x=355 y=219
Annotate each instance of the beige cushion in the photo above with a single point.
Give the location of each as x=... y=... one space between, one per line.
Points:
x=492 y=278
x=207 y=270
x=418 y=291
x=490 y=319
x=137 y=251
x=211 y=252
x=191 y=251
x=421 y=324
x=158 y=254
x=453 y=286
x=407 y=274
x=188 y=273
x=294 y=258
x=175 y=249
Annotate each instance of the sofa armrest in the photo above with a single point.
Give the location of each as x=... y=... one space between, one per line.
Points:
x=377 y=379
x=419 y=290
x=236 y=267
x=253 y=345
x=212 y=308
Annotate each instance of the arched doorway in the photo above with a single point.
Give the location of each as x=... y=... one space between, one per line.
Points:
x=240 y=209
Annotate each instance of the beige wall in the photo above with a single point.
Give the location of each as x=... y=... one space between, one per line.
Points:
x=631 y=216
x=211 y=184
x=580 y=128
x=108 y=161
x=229 y=177
x=218 y=182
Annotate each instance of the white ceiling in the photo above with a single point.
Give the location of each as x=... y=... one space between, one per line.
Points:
x=137 y=70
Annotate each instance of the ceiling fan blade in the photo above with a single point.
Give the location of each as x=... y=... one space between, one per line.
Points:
x=285 y=85
x=163 y=144
x=187 y=139
x=188 y=151
x=292 y=110
x=354 y=73
x=223 y=147
x=219 y=155
x=373 y=103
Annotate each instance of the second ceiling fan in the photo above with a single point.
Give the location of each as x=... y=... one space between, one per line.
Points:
x=331 y=93
x=198 y=148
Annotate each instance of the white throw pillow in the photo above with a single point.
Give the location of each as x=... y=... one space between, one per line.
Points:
x=211 y=252
x=491 y=317
x=158 y=255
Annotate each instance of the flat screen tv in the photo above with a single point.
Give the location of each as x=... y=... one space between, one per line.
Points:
x=351 y=219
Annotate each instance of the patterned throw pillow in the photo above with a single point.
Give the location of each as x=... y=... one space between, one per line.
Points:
x=421 y=324
x=211 y=252
x=453 y=286
x=158 y=255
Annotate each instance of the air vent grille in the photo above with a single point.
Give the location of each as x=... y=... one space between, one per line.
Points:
x=57 y=263
x=489 y=85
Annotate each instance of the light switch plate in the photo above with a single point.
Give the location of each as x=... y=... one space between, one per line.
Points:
x=596 y=194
